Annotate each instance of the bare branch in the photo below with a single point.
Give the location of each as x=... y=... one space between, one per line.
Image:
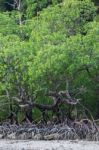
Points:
x=17 y=99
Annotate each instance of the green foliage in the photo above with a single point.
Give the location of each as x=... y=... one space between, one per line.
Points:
x=60 y=60
x=39 y=54
x=62 y=21
x=7 y=25
x=34 y=6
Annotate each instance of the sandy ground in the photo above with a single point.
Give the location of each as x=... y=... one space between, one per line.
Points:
x=48 y=145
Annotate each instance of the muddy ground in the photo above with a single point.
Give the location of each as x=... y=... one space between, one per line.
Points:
x=48 y=145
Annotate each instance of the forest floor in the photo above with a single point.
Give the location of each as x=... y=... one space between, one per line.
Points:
x=48 y=145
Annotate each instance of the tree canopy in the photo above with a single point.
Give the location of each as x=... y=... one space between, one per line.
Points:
x=48 y=47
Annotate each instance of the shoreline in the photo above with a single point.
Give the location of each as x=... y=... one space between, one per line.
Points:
x=48 y=145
